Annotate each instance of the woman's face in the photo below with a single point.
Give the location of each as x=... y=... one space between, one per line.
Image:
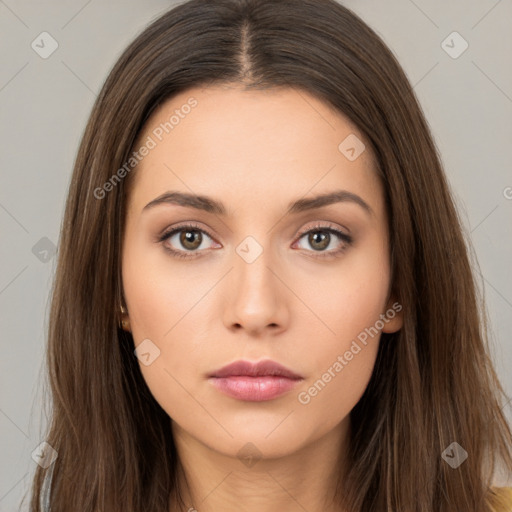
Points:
x=253 y=279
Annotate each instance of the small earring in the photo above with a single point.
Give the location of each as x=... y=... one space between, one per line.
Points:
x=124 y=323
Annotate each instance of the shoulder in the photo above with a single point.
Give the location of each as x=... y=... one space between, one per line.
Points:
x=503 y=499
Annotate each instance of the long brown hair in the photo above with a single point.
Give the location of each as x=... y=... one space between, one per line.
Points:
x=433 y=382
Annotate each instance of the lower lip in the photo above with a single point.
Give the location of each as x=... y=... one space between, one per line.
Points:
x=254 y=389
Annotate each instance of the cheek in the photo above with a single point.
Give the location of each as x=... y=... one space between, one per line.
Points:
x=346 y=299
x=346 y=334
x=158 y=294
x=339 y=384
x=165 y=306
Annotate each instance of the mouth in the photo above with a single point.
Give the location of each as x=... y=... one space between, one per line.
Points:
x=254 y=382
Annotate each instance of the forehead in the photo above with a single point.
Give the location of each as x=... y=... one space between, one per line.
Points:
x=250 y=145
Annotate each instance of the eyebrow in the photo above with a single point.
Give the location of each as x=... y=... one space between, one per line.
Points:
x=213 y=206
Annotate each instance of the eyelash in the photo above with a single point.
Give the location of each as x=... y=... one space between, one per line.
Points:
x=347 y=239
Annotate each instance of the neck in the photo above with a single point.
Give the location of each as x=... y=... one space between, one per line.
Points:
x=303 y=480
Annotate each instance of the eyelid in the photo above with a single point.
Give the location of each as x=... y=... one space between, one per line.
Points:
x=168 y=232
x=185 y=224
x=323 y=224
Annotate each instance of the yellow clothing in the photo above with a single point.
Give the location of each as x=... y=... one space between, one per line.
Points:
x=505 y=499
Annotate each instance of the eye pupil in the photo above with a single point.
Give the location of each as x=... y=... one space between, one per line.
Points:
x=324 y=238
x=188 y=237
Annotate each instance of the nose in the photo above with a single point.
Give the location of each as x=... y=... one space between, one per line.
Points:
x=256 y=295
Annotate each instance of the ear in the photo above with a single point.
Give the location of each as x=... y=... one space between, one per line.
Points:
x=394 y=316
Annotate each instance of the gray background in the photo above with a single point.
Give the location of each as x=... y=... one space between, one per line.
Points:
x=45 y=104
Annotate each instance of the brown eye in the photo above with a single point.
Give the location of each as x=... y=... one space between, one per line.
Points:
x=190 y=239
x=185 y=241
x=321 y=237
x=319 y=240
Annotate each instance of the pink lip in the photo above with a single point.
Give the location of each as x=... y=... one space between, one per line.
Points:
x=254 y=382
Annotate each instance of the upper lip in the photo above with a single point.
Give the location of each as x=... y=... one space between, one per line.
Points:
x=257 y=369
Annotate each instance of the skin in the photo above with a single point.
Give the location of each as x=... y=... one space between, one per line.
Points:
x=256 y=152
